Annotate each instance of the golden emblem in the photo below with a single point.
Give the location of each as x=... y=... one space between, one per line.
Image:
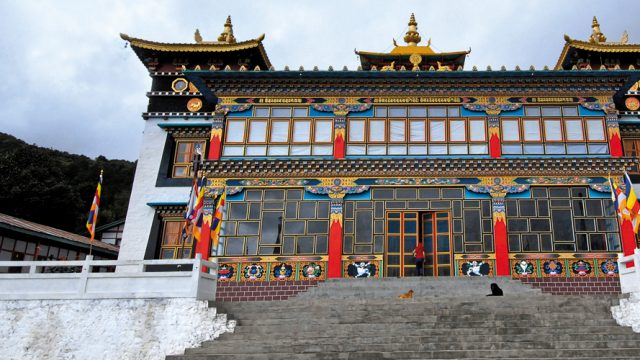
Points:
x=194 y=105
x=415 y=59
x=632 y=103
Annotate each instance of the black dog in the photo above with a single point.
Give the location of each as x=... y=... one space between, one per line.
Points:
x=495 y=290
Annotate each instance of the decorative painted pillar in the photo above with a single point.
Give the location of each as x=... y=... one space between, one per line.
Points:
x=498 y=188
x=493 y=106
x=500 y=236
x=340 y=107
x=613 y=127
x=495 y=145
x=336 y=189
x=334 y=268
x=339 y=137
x=217 y=128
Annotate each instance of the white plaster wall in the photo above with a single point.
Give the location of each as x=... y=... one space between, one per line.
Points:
x=139 y=215
x=106 y=329
x=628 y=312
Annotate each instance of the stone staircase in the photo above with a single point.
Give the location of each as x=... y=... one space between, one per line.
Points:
x=447 y=318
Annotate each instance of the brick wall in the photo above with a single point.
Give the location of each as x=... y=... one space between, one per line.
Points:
x=576 y=286
x=261 y=290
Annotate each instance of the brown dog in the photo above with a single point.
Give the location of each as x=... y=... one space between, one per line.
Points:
x=407 y=295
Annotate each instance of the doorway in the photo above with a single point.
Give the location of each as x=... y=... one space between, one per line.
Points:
x=404 y=229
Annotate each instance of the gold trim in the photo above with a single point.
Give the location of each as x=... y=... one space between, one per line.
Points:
x=173 y=85
x=197 y=47
x=606 y=48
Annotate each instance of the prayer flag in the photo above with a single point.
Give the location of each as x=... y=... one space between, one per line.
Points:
x=217 y=219
x=93 y=213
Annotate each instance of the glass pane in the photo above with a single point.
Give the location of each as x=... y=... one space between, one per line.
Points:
x=235 y=130
x=576 y=148
x=377 y=130
x=364 y=227
x=436 y=130
x=570 y=111
x=552 y=130
x=396 y=130
x=477 y=130
x=377 y=150
x=417 y=150
x=533 y=149
x=280 y=112
x=454 y=111
x=272 y=227
x=397 y=112
x=458 y=149
x=381 y=111
x=478 y=149
x=510 y=130
x=257 y=131
x=300 y=112
x=323 y=150
x=437 y=149
x=356 y=130
x=323 y=130
x=598 y=149
x=595 y=130
x=393 y=244
x=574 y=130
x=300 y=150
x=235 y=246
x=417 y=131
x=233 y=150
x=437 y=111
x=555 y=148
x=305 y=245
x=532 y=111
x=279 y=131
x=301 y=130
x=531 y=130
x=278 y=150
x=397 y=150
x=262 y=112
x=356 y=150
x=551 y=111
x=417 y=111
x=256 y=150
x=562 y=225
x=472 y=230
x=457 y=131
x=508 y=149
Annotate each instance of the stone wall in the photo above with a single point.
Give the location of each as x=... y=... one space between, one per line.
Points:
x=576 y=286
x=261 y=291
x=106 y=329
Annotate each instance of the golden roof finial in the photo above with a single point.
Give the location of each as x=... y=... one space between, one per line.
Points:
x=227 y=33
x=197 y=36
x=412 y=37
x=596 y=36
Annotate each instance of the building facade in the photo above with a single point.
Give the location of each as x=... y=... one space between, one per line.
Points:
x=340 y=173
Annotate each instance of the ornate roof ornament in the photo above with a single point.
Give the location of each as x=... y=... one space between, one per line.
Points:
x=197 y=37
x=412 y=37
x=597 y=36
x=227 y=33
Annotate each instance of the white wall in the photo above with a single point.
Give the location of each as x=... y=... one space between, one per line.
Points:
x=139 y=215
x=106 y=329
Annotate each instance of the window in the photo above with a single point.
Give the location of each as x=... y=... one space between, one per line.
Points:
x=436 y=131
x=510 y=130
x=396 y=131
x=531 y=130
x=573 y=130
x=595 y=130
x=356 y=130
x=377 y=131
x=552 y=130
x=184 y=154
x=172 y=245
x=288 y=132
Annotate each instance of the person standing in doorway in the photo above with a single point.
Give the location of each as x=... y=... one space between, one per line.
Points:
x=418 y=254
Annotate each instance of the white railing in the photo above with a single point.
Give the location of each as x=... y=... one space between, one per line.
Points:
x=629 y=276
x=183 y=278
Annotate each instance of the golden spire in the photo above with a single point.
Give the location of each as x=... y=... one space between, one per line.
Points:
x=412 y=37
x=197 y=36
x=227 y=33
x=597 y=36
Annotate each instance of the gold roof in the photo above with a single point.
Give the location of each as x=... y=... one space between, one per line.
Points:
x=194 y=47
x=412 y=38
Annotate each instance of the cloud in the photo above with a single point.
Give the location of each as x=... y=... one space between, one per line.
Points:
x=70 y=84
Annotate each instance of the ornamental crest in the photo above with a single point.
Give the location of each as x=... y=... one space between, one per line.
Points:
x=476 y=268
x=283 y=271
x=361 y=269
x=581 y=268
x=552 y=268
x=253 y=272
x=336 y=189
x=609 y=267
x=414 y=181
x=226 y=272
x=524 y=268
x=311 y=270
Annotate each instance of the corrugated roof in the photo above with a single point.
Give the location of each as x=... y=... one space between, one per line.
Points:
x=51 y=233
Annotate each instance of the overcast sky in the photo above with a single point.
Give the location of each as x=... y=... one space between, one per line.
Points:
x=70 y=84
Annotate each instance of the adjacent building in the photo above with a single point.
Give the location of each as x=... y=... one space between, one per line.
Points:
x=339 y=173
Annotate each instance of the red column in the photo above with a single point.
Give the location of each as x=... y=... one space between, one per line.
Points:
x=495 y=146
x=334 y=268
x=628 y=239
x=339 y=130
x=613 y=131
x=215 y=142
x=500 y=237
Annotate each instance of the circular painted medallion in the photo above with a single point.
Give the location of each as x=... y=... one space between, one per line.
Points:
x=194 y=105
x=179 y=85
x=632 y=103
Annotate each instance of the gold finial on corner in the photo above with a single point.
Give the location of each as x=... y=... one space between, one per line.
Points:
x=596 y=36
x=412 y=37
x=197 y=36
x=227 y=33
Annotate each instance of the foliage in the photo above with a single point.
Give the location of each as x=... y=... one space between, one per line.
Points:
x=56 y=188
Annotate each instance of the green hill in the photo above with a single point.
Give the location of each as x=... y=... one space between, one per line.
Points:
x=56 y=188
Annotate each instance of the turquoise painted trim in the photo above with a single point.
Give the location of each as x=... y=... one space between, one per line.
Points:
x=522 y=195
x=586 y=112
x=246 y=113
x=366 y=113
x=628 y=122
x=517 y=112
x=168 y=125
x=468 y=113
x=166 y=203
x=362 y=196
x=472 y=195
x=599 y=195
x=310 y=196
x=236 y=197
x=315 y=113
